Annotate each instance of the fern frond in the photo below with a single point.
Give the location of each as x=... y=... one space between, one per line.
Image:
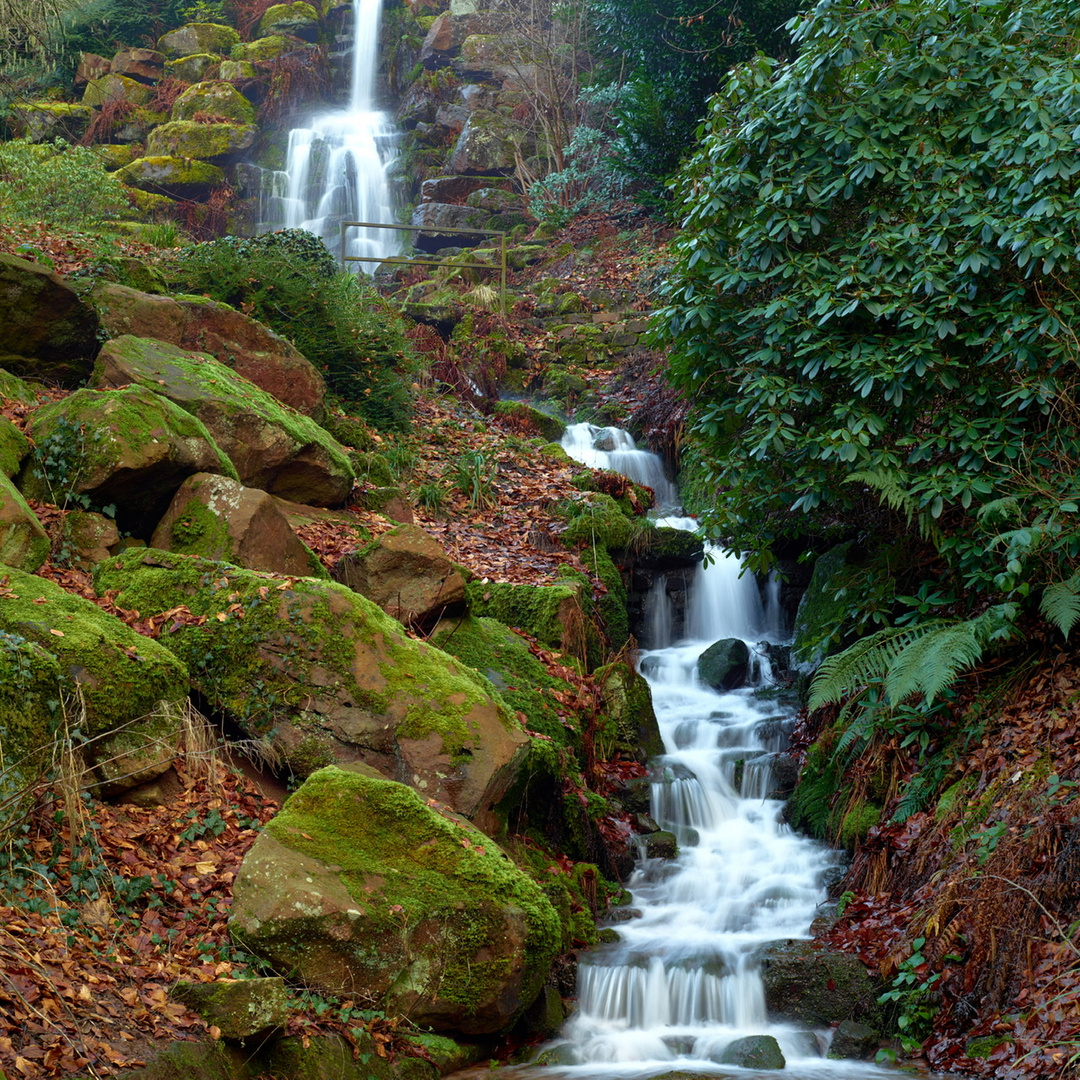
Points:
x=930 y=664
x=1060 y=603
x=867 y=661
x=887 y=485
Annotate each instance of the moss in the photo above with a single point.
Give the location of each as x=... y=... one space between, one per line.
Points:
x=611 y=605
x=14 y=446
x=372 y=469
x=523 y=682
x=170 y=173
x=597 y=521
x=628 y=723
x=981 y=1047
x=550 y=427
x=403 y=864
x=12 y=388
x=217 y=98
x=857 y=822
x=272 y=650
x=264 y=48
x=551 y=613
x=121 y=675
x=188 y=139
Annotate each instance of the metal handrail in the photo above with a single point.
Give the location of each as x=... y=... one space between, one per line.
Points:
x=438 y=231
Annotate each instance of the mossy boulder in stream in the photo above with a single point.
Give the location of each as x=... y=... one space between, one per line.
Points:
x=324 y=675
x=553 y=614
x=130 y=690
x=210 y=142
x=359 y=888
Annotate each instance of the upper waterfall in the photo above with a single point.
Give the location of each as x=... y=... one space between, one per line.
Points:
x=336 y=168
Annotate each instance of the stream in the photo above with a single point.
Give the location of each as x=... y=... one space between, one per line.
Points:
x=682 y=983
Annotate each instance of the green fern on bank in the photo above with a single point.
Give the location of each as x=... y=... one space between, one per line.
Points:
x=1060 y=603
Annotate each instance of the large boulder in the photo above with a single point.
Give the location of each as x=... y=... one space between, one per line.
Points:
x=273 y=447
x=113 y=89
x=176 y=177
x=46 y=330
x=810 y=985
x=725 y=665
x=146 y=65
x=218 y=518
x=754 y=1052
x=14 y=446
x=218 y=99
x=231 y=337
x=359 y=888
x=297 y=19
x=408 y=574
x=129 y=448
x=198 y=38
x=128 y=692
x=488 y=143
x=43 y=121
x=24 y=543
x=327 y=676
x=823 y=606
x=551 y=613
x=208 y=142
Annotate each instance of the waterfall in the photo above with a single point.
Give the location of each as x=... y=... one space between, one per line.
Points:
x=336 y=168
x=682 y=982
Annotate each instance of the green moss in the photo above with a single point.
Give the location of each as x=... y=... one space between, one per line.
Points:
x=628 y=723
x=611 y=605
x=372 y=469
x=403 y=863
x=857 y=822
x=170 y=172
x=523 y=682
x=217 y=98
x=597 y=521
x=14 y=446
x=12 y=388
x=264 y=48
x=550 y=427
x=274 y=647
x=120 y=674
x=551 y=613
x=188 y=139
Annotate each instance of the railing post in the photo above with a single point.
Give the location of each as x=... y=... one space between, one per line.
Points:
x=502 y=256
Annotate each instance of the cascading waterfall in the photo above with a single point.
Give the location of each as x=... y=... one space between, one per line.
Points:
x=682 y=982
x=336 y=169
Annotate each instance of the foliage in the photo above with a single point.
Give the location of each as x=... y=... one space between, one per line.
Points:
x=912 y=994
x=103 y=26
x=667 y=59
x=32 y=30
x=875 y=292
x=56 y=183
x=289 y=281
x=475 y=477
x=61 y=461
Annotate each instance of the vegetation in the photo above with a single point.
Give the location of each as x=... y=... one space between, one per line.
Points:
x=874 y=297
x=289 y=281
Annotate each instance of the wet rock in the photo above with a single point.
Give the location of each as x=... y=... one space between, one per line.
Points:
x=754 y=1052
x=661 y=845
x=854 y=1041
x=725 y=665
x=815 y=986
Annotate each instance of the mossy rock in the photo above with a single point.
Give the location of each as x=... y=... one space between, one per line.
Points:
x=43 y=121
x=24 y=543
x=540 y=423
x=116 y=155
x=187 y=139
x=597 y=520
x=504 y=659
x=372 y=469
x=12 y=388
x=30 y=720
x=133 y=690
x=115 y=89
x=264 y=48
x=235 y=70
x=628 y=723
x=297 y=19
x=326 y=675
x=358 y=886
x=180 y=178
x=273 y=447
x=317 y=1057
x=151 y=207
x=198 y=37
x=553 y=614
x=215 y=98
x=14 y=446
x=130 y=448
x=192 y=68
x=754 y=1052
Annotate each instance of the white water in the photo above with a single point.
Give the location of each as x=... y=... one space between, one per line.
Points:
x=612 y=448
x=336 y=168
x=682 y=982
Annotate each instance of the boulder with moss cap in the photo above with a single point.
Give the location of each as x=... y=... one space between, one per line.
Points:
x=208 y=142
x=361 y=889
x=130 y=448
x=231 y=337
x=132 y=690
x=24 y=543
x=297 y=19
x=177 y=177
x=273 y=447
x=199 y=37
x=338 y=678
x=216 y=98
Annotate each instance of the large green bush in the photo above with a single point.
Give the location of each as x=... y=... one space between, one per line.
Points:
x=877 y=284
x=289 y=281
x=56 y=183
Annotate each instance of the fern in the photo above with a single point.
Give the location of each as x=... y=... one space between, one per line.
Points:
x=923 y=659
x=1060 y=603
x=886 y=483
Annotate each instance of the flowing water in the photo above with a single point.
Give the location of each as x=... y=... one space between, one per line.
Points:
x=336 y=168
x=682 y=982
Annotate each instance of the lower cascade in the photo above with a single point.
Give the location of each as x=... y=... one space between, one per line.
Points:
x=681 y=987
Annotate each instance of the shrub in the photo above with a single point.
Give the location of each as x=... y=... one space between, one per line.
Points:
x=56 y=183
x=289 y=281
